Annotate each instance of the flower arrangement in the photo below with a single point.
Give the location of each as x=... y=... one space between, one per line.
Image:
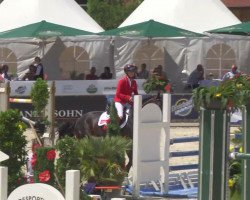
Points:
x=230 y=94
x=235 y=166
x=43 y=165
x=156 y=84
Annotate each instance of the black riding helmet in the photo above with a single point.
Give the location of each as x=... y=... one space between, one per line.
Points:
x=129 y=68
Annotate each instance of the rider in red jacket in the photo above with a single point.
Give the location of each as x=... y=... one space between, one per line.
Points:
x=126 y=88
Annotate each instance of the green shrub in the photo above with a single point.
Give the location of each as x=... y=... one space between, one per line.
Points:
x=13 y=143
x=103 y=159
x=43 y=165
x=68 y=157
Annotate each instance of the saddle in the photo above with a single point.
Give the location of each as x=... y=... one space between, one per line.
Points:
x=105 y=118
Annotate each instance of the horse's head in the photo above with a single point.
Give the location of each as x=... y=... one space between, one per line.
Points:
x=66 y=129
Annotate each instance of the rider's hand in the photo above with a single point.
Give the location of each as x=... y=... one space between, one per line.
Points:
x=131 y=100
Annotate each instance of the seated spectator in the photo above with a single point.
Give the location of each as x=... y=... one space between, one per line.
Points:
x=92 y=75
x=143 y=73
x=106 y=74
x=31 y=74
x=195 y=77
x=5 y=74
x=1 y=77
x=39 y=68
x=231 y=74
x=159 y=73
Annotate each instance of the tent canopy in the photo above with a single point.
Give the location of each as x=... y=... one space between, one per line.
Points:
x=19 y=13
x=150 y=28
x=193 y=15
x=238 y=29
x=42 y=29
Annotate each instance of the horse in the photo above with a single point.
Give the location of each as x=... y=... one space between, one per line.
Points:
x=87 y=125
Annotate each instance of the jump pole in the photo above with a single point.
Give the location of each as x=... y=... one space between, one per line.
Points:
x=3 y=182
x=50 y=110
x=4 y=96
x=213 y=157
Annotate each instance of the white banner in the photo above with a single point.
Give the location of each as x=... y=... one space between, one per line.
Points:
x=73 y=88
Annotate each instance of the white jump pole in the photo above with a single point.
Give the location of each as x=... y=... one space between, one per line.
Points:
x=3 y=183
x=72 y=185
x=50 y=110
x=4 y=96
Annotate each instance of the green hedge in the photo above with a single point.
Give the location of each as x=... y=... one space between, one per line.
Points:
x=13 y=143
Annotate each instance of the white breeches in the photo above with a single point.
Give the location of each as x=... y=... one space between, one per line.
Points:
x=119 y=107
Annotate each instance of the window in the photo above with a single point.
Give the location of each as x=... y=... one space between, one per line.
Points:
x=219 y=60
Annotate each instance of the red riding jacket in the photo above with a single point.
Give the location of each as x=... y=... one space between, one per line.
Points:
x=124 y=90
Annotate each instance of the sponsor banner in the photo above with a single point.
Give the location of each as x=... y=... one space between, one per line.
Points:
x=73 y=107
x=73 y=88
x=67 y=107
x=182 y=108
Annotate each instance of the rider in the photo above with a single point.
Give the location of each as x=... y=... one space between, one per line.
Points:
x=126 y=87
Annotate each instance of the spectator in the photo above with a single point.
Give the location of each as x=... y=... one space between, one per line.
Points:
x=31 y=74
x=195 y=77
x=5 y=74
x=143 y=73
x=39 y=68
x=92 y=75
x=159 y=73
x=1 y=76
x=231 y=74
x=106 y=74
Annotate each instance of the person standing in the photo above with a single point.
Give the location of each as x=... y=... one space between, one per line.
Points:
x=39 y=68
x=143 y=73
x=126 y=88
x=195 y=77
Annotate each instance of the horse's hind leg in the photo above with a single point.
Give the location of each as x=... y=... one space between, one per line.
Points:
x=130 y=157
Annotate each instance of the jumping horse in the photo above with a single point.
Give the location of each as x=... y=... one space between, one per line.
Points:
x=87 y=125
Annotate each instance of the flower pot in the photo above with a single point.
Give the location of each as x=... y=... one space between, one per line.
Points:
x=214 y=104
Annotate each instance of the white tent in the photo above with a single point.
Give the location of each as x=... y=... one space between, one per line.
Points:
x=19 y=13
x=193 y=15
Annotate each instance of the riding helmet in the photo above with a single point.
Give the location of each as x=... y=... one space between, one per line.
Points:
x=129 y=68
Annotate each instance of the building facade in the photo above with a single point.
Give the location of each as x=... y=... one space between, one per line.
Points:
x=240 y=8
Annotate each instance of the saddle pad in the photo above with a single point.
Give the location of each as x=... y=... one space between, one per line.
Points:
x=103 y=119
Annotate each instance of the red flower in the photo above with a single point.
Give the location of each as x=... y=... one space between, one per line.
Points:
x=168 y=88
x=44 y=176
x=51 y=154
x=33 y=160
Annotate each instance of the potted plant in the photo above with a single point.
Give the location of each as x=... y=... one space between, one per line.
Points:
x=156 y=84
x=39 y=96
x=229 y=94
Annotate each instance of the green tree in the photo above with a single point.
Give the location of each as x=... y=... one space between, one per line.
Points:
x=111 y=13
x=113 y=126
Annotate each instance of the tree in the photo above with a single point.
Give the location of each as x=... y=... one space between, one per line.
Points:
x=113 y=126
x=111 y=13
